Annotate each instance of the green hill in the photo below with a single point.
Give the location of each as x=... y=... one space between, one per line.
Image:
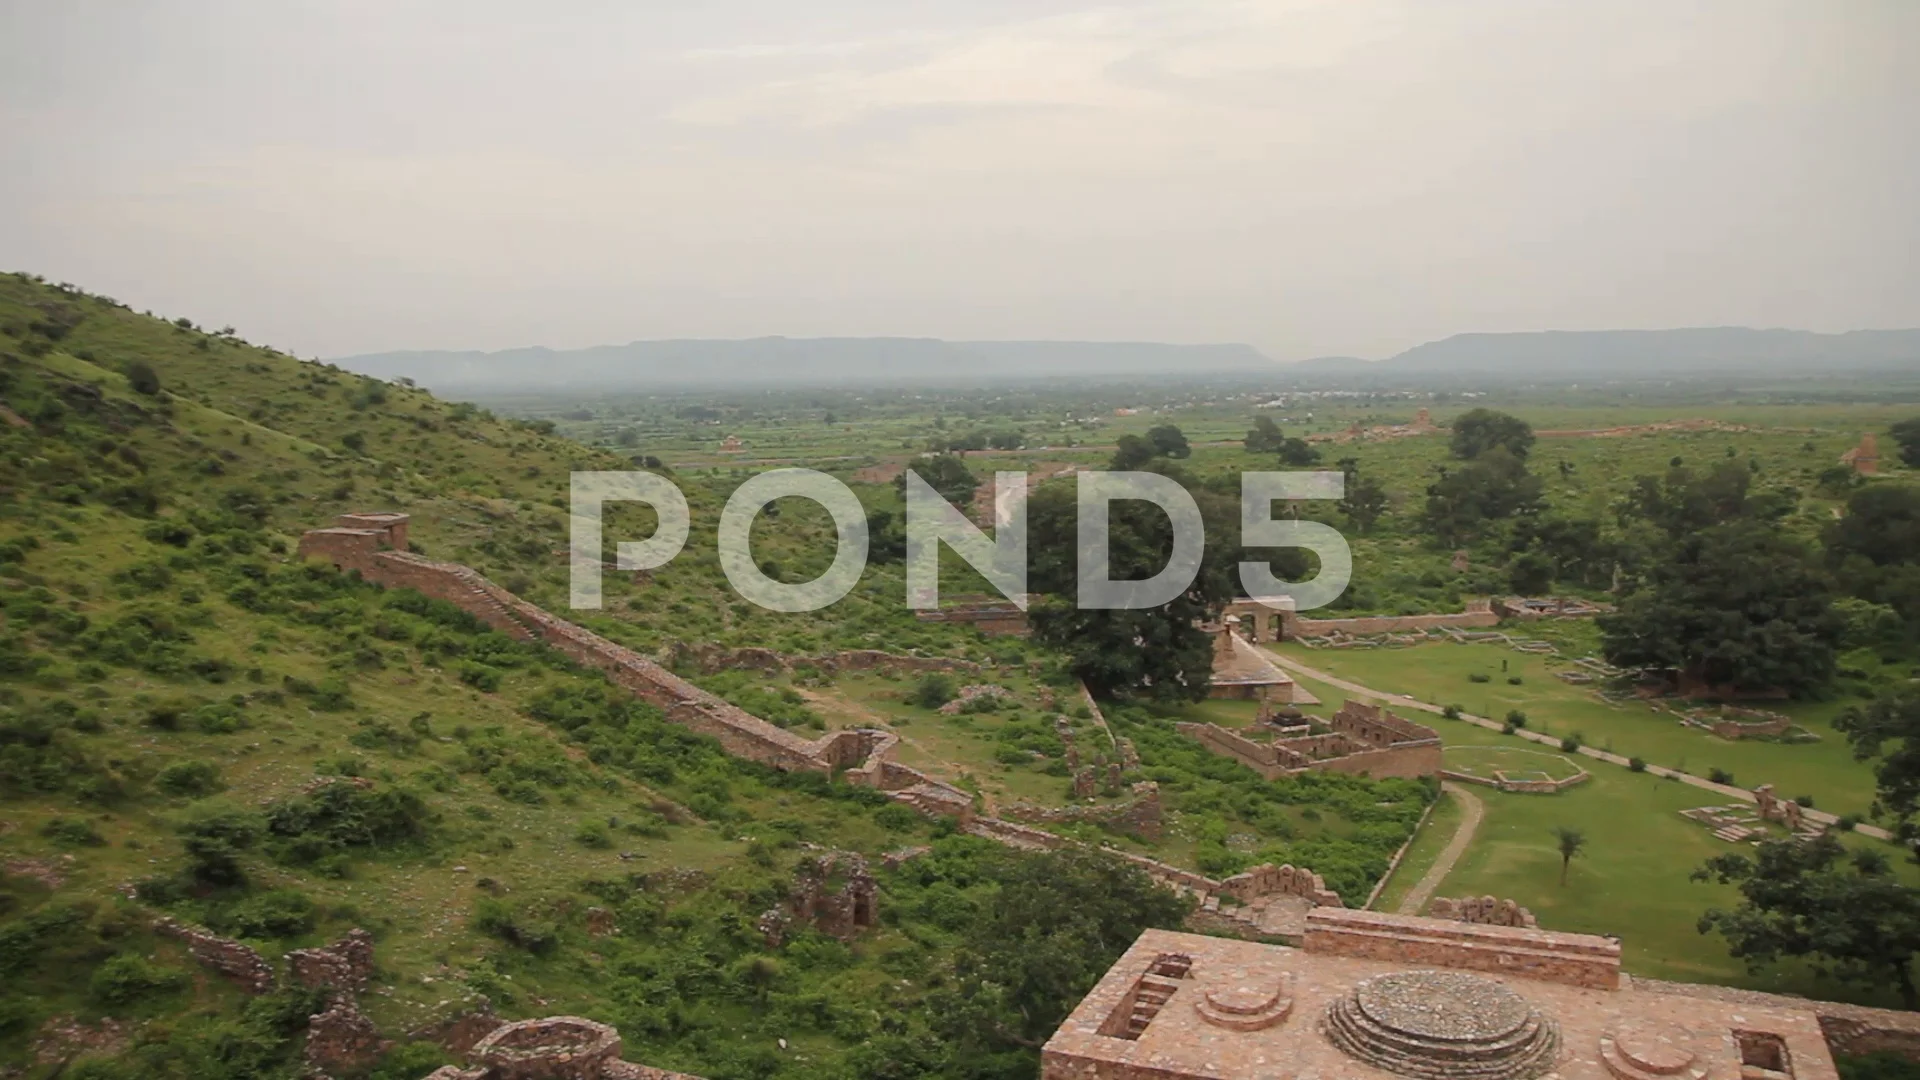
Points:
x=195 y=723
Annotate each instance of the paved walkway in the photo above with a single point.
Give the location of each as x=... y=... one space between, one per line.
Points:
x=1406 y=702
x=1471 y=811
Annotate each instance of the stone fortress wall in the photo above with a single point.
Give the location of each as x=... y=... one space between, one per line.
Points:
x=372 y=547
x=1366 y=739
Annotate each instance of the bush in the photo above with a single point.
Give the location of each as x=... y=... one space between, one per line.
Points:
x=190 y=779
x=1805 y=801
x=125 y=979
x=1847 y=822
x=1515 y=680
x=1636 y=764
x=1451 y=712
x=1570 y=744
x=143 y=379
x=593 y=834
x=281 y=913
x=1479 y=677
x=1719 y=776
x=932 y=691
x=516 y=927
x=72 y=832
x=1516 y=718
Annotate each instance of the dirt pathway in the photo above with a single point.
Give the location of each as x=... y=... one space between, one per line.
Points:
x=1471 y=811
x=1405 y=702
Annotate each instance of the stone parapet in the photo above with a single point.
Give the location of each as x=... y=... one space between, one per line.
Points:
x=1574 y=959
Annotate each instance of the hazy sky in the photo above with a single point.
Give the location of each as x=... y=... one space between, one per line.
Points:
x=1310 y=176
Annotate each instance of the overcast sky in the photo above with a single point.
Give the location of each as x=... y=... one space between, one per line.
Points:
x=1310 y=176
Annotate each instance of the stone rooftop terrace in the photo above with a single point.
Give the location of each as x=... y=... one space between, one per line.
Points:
x=1184 y=1006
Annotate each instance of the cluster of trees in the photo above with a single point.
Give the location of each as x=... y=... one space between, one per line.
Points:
x=1267 y=438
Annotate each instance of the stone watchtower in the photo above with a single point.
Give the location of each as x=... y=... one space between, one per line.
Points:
x=354 y=539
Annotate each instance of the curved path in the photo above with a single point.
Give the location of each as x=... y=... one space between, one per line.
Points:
x=1471 y=811
x=1404 y=701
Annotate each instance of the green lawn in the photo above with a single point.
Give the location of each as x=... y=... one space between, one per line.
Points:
x=1438 y=673
x=1517 y=762
x=1632 y=880
x=1427 y=844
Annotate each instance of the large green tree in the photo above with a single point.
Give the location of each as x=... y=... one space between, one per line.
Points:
x=945 y=473
x=1494 y=486
x=1160 y=652
x=1889 y=728
x=1844 y=911
x=1906 y=435
x=1057 y=922
x=1740 y=605
x=1479 y=430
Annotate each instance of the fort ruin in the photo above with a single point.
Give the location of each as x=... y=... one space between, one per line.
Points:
x=1369 y=996
x=1359 y=738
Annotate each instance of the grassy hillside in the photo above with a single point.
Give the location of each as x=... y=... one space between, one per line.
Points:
x=193 y=722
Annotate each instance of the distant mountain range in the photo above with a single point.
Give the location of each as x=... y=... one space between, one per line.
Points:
x=1546 y=356
x=800 y=360
x=1558 y=355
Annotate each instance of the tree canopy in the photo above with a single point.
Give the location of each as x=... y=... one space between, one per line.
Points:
x=1906 y=436
x=1739 y=606
x=1155 y=651
x=1479 y=430
x=1843 y=911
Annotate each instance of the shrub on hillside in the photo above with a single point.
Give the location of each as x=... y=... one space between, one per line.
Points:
x=932 y=691
x=190 y=779
x=125 y=979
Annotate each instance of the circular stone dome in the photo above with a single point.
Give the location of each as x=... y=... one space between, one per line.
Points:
x=1443 y=1025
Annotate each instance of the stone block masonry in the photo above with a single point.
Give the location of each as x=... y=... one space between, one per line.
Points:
x=1574 y=959
x=371 y=544
x=1364 y=740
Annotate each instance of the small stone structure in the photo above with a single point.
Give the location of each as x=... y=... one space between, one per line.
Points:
x=1361 y=738
x=1484 y=910
x=344 y=967
x=814 y=901
x=554 y=1048
x=1533 y=608
x=1864 y=459
x=1139 y=814
x=342 y=1038
x=1734 y=723
x=1447 y=1025
x=224 y=955
x=1530 y=783
x=971 y=693
x=1243 y=672
x=1370 y=996
x=858 y=756
x=1785 y=811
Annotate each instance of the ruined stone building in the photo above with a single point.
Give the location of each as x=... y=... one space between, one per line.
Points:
x=1242 y=671
x=1359 y=738
x=1370 y=996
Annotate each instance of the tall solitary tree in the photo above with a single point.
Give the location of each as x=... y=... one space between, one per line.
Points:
x=1569 y=842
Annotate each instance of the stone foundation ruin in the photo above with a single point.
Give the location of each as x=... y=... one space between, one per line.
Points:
x=833 y=893
x=1360 y=738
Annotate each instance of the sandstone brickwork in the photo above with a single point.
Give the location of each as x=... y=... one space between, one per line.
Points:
x=374 y=554
x=1362 y=739
x=1139 y=814
x=1485 y=910
x=230 y=958
x=344 y=967
x=342 y=1038
x=833 y=893
x=1394 y=1002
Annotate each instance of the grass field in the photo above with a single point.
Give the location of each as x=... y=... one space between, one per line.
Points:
x=1517 y=763
x=1438 y=673
x=1632 y=879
